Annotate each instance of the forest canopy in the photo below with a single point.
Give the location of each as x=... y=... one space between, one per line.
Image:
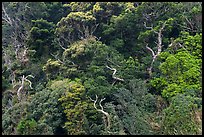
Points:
x=101 y=68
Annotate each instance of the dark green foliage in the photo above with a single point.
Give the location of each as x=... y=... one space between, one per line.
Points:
x=180 y=116
x=141 y=59
x=133 y=106
x=52 y=9
x=41 y=37
x=12 y=116
x=45 y=107
x=5 y=83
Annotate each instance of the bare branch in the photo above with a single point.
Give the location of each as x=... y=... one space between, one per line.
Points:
x=93 y=29
x=102 y=111
x=29 y=82
x=6 y=18
x=22 y=85
x=153 y=54
x=159 y=46
x=148 y=27
x=182 y=46
x=113 y=75
x=91 y=99
x=86 y=32
x=55 y=56
x=21 y=88
x=60 y=44
x=98 y=39
x=189 y=22
x=30 y=76
x=100 y=103
x=163 y=26
x=112 y=62
x=94 y=102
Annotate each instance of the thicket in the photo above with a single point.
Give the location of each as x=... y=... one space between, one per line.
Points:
x=101 y=68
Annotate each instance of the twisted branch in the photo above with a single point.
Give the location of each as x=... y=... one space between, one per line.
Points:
x=22 y=85
x=113 y=75
x=159 y=45
x=102 y=111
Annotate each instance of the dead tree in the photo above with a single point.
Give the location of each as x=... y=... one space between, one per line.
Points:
x=22 y=84
x=23 y=57
x=107 y=121
x=7 y=59
x=113 y=75
x=159 y=45
x=5 y=16
x=18 y=32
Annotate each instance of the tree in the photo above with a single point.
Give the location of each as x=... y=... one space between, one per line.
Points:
x=181 y=71
x=31 y=127
x=45 y=108
x=131 y=108
x=74 y=107
x=41 y=37
x=180 y=116
x=101 y=68
x=76 y=26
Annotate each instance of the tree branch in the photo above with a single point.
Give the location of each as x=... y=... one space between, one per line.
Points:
x=102 y=111
x=153 y=54
x=6 y=18
x=113 y=75
x=93 y=29
x=100 y=103
x=55 y=56
x=159 y=46
x=189 y=23
x=145 y=25
x=22 y=85
x=20 y=88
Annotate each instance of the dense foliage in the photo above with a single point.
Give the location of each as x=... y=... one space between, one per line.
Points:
x=101 y=68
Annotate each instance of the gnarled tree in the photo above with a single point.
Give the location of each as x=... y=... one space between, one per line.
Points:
x=107 y=121
x=22 y=85
x=76 y=26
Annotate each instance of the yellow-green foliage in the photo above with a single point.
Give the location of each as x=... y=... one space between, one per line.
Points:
x=180 y=72
x=79 y=48
x=51 y=67
x=79 y=6
x=97 y=8
x=74 y=107
x=86 y=38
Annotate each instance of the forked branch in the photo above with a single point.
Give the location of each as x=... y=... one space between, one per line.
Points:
x=102 y=111
x=22 y=85
x=159 y=45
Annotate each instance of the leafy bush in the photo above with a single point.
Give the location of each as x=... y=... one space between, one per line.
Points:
x=180 y=116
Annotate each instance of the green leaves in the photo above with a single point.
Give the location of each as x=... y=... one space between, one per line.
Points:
x=80 y=17
x=41 y=37
x=133 y=106
x=98 y=48
x=74 y=107
x=180 y=72
x=27 y=127
x=52 y=67
x=179 y=116
x=76 y=26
